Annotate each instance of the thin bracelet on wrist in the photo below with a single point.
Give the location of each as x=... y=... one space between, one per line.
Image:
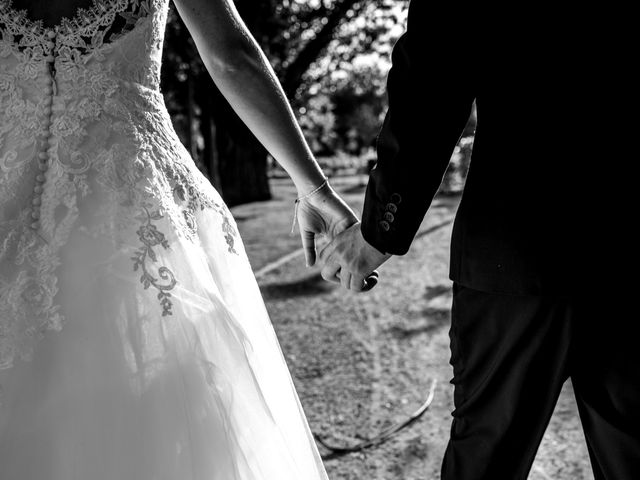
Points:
x=314 y=191
x=304 y=197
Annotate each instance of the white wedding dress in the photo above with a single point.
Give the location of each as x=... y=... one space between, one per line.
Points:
x=134 y=343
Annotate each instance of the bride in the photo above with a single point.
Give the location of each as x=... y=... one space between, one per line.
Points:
x=134 y=343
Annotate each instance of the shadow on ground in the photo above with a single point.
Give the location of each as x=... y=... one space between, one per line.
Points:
x=434 y=316
x=305 y=287
x=432 y=292
x=434 y=319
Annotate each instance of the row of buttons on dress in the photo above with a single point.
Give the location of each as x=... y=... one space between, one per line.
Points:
x=47 y=140
x=391 y=208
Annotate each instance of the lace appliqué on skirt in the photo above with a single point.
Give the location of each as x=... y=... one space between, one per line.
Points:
x=151 y=238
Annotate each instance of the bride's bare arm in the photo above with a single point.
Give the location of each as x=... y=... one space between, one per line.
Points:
x=243 y=74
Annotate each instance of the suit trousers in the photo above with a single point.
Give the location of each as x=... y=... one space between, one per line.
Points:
x=511 y=355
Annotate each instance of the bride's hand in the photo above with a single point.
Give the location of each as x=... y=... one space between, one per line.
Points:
x=323 y=213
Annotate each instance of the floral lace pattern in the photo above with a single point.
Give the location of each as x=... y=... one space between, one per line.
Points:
x=151 y=237
x=103 y=22
x=116 y=167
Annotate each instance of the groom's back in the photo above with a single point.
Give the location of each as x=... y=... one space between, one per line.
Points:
x=551 y=128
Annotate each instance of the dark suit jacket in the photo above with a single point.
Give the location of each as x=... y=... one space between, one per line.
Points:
x=527 y=222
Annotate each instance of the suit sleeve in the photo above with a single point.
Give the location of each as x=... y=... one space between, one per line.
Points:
x=430 y=98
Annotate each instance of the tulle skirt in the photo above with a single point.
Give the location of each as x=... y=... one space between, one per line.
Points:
x=166 y=368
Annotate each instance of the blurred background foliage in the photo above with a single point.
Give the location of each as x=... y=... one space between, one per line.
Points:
x=332 y=58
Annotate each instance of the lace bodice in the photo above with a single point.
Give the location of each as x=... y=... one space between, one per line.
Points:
x=87 y=147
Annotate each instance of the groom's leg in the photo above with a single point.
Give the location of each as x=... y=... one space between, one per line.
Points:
x=509 y=355
x=605 y=370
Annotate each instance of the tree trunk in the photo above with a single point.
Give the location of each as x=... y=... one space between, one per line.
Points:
x=209 y=131
x=242 y=160
x=236 y=163
x=192 y=118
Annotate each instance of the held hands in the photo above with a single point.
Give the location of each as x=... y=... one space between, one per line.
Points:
x=322 y=213
x=348 y=259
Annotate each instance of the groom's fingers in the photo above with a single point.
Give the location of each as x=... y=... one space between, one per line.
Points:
x=371 y=281
x=358 y=283
x=329 y=272
x=309 y=245
x=345 y=279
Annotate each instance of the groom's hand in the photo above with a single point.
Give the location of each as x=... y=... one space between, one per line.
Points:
x=349 y=259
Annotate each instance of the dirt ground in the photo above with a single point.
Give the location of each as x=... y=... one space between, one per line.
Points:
x=363 y=362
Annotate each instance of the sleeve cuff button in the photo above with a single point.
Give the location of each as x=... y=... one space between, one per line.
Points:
x=384 y=225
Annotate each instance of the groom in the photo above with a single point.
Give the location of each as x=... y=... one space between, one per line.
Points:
x=529 y=262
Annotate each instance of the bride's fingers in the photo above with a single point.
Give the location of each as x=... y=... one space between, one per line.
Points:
x=309 y=246
x=325 y=251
